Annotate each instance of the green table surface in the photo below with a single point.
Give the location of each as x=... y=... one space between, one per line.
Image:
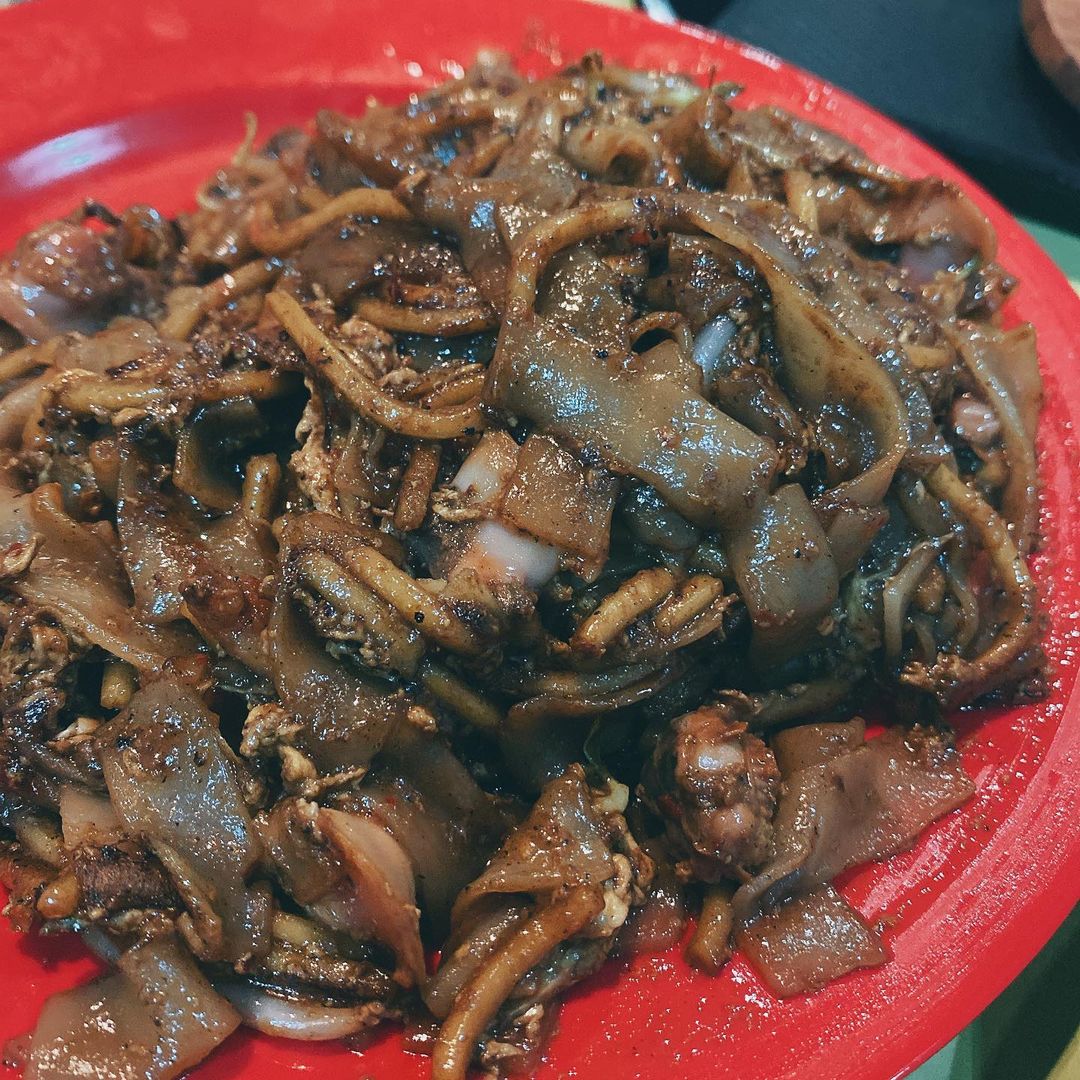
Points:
x=1031 y=1031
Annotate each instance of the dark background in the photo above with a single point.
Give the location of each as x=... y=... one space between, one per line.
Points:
x=958 y=72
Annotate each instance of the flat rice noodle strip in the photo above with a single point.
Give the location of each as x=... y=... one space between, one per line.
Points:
x=785 y=572
x=467 y=209
x=989 y=356
x=621 y=150
x=173 y=782
x=823 y=362
x=307 y=869
x=562 y=843
x=703 y=463
x=87 y=818
x=586 y=296
x=542 y=371
x=808 y=942
x=863 y=805
x=920 y=212
x=385 y=889
x=17 y=405
x=155 y=1020
x=930 y=212
x=345 y=715
x=1015 y=361
x=560 y=501
x=77 y=576
x=444 y=851
x=486 y=473
x=183 y=566
x=207 y=449
x=344 y=258
x=697 y=133
x=850 y=529
x=781 y=141
x=430 y=804
x=805 y=745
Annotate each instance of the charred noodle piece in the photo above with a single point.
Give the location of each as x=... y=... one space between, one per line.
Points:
x=368 y=399
x=953 y=679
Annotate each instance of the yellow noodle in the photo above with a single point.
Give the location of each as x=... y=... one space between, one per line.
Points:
x=710 y=946
x=91 y=395
x=271 y=238
x=691 y=598
x=431 y=616
x=262 y=479
x=367 y=398
x=617 y=611
x=434 y=322
x=953 y=679
x=325 y=576
x=456 y=695
x=475 y=1007
x=416 y=486
x=185 y=316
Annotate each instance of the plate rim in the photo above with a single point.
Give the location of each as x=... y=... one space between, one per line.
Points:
x=1049 y=904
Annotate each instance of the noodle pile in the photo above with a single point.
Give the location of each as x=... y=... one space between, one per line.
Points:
x=476 y=527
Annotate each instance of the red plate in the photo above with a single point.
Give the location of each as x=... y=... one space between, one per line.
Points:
x=137 y=101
